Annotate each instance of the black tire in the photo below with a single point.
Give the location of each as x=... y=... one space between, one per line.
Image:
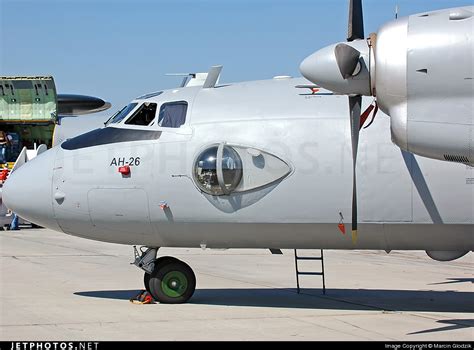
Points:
x=158 y=263
x=146 y=281
x=172 y=283
x=162 y=260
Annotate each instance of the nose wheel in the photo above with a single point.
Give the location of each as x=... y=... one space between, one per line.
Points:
x=167 y=279
x=156 y=264
x=172 y=281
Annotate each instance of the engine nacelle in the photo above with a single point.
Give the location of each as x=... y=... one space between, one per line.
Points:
x=423 y=79
x=445 y=256
x=420 y=70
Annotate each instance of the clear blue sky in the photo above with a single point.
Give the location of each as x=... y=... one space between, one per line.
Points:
x=118 y=49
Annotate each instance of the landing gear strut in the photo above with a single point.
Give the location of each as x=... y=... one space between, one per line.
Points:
x=167 y=279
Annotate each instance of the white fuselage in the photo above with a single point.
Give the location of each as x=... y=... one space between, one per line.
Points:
x=405 y=201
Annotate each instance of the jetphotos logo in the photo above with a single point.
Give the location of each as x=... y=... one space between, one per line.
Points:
x=54 y=346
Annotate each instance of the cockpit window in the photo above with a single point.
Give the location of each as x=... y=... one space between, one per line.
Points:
x=144 y=115
x=118 y=117
x=173 y=114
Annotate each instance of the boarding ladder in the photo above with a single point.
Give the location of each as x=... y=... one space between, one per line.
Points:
x=308 y=273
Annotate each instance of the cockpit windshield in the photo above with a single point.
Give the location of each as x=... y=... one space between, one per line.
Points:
x=144 y=115
x=120 y=115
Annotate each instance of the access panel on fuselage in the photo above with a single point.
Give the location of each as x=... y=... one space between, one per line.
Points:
x=120 y=209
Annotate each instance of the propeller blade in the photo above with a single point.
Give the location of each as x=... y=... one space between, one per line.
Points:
x=355 y=103
x=356 y=21
x=79 y=104
x=347 y=59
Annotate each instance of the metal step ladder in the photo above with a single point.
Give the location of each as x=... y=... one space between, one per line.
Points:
x=308 y=273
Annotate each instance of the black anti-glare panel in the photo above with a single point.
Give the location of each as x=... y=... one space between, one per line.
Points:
x=109 y=135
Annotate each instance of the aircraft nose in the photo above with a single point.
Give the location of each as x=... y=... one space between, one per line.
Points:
x=27 y=191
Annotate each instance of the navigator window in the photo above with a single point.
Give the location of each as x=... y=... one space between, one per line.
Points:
x=172 y=114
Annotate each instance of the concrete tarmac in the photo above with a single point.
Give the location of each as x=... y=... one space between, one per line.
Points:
x=58 y=287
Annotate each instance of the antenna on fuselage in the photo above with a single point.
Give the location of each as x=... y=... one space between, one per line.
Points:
x=206 y=80
x=187 y=76
x=212 y=77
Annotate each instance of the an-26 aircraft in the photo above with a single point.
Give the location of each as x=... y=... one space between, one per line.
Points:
x=269 y=164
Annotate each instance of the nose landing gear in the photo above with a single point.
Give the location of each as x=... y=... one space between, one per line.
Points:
x=172 y=282
x=167 y=279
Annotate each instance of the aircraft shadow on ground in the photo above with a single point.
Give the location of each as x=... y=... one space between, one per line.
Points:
x=448 y=325
x=335 y=299
x=455 y=280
